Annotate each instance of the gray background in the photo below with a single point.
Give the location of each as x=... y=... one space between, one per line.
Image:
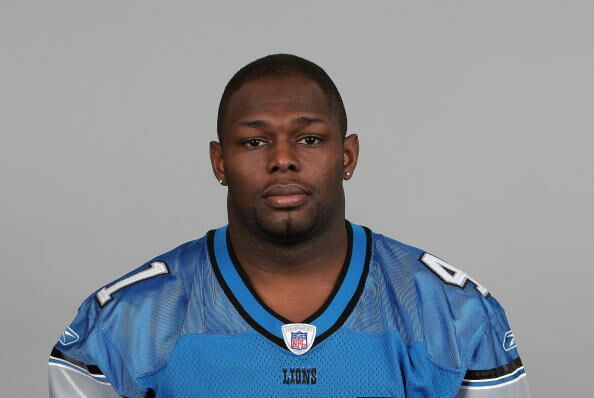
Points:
x=475 y=120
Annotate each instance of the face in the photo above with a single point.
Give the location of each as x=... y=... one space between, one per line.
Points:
x=283 y=158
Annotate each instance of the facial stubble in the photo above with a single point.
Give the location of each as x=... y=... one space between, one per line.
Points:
x=291 y=227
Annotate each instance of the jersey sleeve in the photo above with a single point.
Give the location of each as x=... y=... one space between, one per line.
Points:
x=493 y=365
x=84 y=363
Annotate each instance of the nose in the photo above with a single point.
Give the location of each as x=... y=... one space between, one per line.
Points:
x=283 y=157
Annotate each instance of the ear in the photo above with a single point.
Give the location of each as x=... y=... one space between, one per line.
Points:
x=350 y=155
x=216 y=161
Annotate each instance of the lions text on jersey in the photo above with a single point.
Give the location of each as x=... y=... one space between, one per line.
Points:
x=399 y=323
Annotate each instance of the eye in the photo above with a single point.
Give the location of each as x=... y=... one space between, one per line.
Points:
x=254 y=142
x=310 y=140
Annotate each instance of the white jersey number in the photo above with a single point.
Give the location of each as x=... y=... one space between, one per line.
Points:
x=157 y=268
x=450 y=274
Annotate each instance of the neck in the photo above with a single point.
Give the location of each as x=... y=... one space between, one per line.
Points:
x=323 y=251
x=293 y=280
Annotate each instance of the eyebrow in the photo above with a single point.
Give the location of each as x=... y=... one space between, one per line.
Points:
x=301 y=121
x=307 y=121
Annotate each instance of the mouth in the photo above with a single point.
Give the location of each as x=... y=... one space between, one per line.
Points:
x=286 y=196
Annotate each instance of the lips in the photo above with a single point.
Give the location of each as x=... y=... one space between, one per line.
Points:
x=283 y=190
x=285 y=196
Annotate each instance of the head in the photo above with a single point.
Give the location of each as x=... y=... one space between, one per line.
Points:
x=283 y=151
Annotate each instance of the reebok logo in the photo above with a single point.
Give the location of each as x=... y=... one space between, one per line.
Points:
x=509 y=341
x=69 y=336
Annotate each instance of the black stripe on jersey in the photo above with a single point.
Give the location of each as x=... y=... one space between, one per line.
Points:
x=247 y=283
x=341 y=276
x=355 y=299
x=495 y=372
x=340 y=321
x=335 y=289
x=92 y=369
x=233 y=299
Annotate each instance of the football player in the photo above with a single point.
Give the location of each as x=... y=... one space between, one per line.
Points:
x=290 y=299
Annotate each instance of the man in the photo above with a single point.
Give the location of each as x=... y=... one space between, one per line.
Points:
x=290 y=299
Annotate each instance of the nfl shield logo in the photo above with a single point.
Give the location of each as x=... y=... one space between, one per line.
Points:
x=299 y=340
x=299 y=337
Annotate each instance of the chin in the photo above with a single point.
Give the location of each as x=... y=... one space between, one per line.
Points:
x=287 y=226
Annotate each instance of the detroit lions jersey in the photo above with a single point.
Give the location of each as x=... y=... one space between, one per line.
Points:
x=400 y=322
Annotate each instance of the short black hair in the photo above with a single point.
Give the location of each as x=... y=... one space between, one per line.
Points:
x=282 y=65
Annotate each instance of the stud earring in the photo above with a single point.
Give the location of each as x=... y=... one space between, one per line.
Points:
x=347 y=174
x=221 y=182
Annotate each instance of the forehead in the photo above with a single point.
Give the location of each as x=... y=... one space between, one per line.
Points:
x=278 y=98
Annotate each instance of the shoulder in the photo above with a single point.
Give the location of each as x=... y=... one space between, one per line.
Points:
x=170 y=273
x=164 y=274
x=445 y=307
x=432 y=276
x=141 y=313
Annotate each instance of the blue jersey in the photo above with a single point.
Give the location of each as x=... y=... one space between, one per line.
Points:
x=400 y=322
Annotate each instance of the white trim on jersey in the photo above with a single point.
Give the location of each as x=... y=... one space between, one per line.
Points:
x=53 y=361
x=80 y=371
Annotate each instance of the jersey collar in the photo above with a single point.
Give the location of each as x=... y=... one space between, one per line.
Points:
x=327 y=319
